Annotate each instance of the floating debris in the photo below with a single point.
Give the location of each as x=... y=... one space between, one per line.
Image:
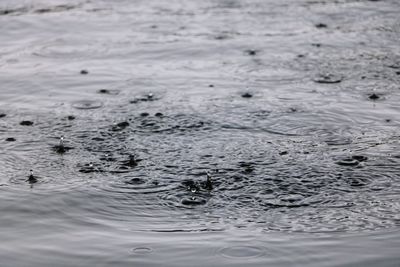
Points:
x=84 y=72
x=10 y=139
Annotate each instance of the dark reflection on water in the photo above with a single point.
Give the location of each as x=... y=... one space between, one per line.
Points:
x=122 y=110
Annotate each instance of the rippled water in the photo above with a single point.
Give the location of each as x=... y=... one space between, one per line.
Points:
x=291 y=107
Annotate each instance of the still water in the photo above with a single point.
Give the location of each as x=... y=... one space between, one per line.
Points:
x=122 y=108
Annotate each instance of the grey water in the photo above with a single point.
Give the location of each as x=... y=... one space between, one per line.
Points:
x=122 y=108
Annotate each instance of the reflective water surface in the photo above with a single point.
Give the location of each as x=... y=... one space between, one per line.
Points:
x=114 y=113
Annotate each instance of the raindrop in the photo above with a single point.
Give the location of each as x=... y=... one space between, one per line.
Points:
x=321 y=25
x=31 y=178
x=348 y=162
x=208 y=183
x=26 y=123
x=61 y=148
x=374 y=96
x=242 y=252
x=88 y=168
x=193 y=201
x=247 y=95
x=328 y=78
x=87 y=104
x=142 y=250
x=251 y=52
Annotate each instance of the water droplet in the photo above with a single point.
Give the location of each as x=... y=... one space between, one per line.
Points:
x=61 y=148
x=31 y=179
x=208 y=184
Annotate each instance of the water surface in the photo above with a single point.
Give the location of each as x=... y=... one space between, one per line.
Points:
x=290 y=106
